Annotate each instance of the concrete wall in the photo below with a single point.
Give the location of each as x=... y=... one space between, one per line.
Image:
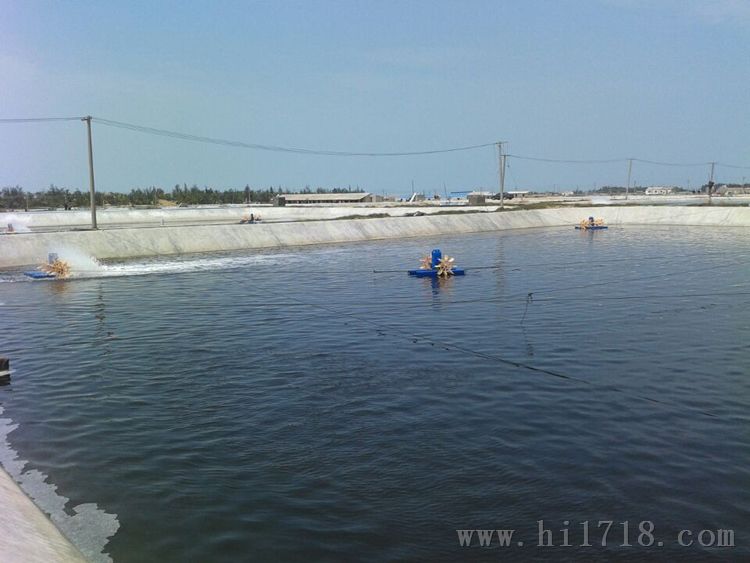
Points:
x=32 y=248
x=26 y=534
x=176 y=215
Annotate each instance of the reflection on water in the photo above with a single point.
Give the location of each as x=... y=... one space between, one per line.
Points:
x=260 y=406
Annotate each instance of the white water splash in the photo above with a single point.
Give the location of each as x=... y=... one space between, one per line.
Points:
x=79 y=261
x=184 y=265
x=84 y=266
x=88 y=528
x=19 y=223
x=601 y=200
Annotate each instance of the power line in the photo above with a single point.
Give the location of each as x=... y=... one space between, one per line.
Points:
x=272 y=148
x=566 y=161
x=588 y=262
x=598 y=284
x=607 y=161
x=523 y=296
x=385 y=329
x=616 y=160
x=39 y=119
x=733 y=166
x=677 y=164
x=324 y=152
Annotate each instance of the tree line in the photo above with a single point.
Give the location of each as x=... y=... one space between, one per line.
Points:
x=56 y=197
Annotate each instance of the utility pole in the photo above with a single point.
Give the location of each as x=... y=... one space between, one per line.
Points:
x=501 y=170
x=711 y=182
x=92 y=190
x=630 y=169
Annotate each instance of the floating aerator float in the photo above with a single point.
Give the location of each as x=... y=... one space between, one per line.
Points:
x=591 y=224
x=53 y=269
x=437 y=266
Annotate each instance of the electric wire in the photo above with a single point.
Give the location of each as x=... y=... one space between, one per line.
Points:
x=674 y=164
x=534 y=293
x=506 y=267
x=622 y=160
x=510 y=267
x=645 y=297
x=517 y=299
x=385 y=329
x=273 y=148
x=566 y=161
x=38 y=119
x=324 y=152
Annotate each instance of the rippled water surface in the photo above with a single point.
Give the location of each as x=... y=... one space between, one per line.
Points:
x=295 y=406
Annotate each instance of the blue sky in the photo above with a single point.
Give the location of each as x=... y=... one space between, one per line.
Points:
x=661 y=80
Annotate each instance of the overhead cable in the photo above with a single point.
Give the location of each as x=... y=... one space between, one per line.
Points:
x=273 y=148
x=39 y=119
x=324 y=152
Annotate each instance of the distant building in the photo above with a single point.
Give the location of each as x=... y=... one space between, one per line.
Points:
x=358 y=197
x=732 y=190
x=659 y=190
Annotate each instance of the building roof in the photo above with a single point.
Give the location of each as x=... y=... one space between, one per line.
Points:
x=733 y=190
x=312 y=198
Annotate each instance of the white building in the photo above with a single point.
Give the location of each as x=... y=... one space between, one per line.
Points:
x=659 y=190
x=328 y=198
x=732 y=190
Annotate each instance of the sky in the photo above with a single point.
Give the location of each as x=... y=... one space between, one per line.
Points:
x=662 y=80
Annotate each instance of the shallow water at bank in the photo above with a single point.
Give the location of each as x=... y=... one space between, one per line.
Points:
x=296 y=406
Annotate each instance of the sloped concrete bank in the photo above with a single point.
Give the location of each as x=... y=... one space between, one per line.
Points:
x=26 y=534
x=109 y=217
x=32 y=248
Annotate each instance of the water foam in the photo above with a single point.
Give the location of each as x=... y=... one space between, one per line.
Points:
x=84 y=266
x=78 y=260
x=186 y=265
x=601 y=200
x=88 y=528
x=20 y=223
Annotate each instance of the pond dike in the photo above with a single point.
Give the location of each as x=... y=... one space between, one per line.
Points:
x=22 y=249
x=26 y=533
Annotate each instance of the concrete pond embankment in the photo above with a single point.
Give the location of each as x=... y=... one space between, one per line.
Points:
x=26 y=533
x=21 y=249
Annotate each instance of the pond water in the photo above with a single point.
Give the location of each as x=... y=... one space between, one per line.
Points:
x=294 y=405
